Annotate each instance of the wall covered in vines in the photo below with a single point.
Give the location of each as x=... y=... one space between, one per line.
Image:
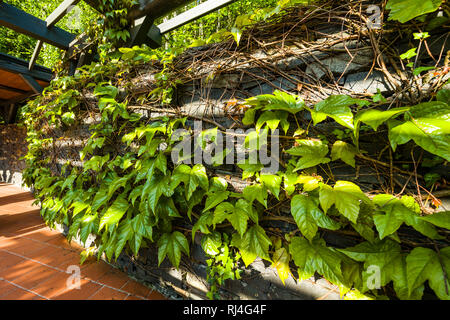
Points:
x=360 y=165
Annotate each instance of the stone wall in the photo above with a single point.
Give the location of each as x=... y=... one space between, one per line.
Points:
x=258 y=281
x=12 y=147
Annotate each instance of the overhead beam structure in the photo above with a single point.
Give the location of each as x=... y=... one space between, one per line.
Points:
x=51 y=20
x=8 y=65
x=19 y=66
x=155 y=8
x=16 y=100
x=60 y=12
x=25 y=23
x=32 y=83
x=147 y=33
x=154 y=34
x=12 y=89
x=193 y=14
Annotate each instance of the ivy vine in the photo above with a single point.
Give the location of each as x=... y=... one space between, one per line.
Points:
x=129 y=194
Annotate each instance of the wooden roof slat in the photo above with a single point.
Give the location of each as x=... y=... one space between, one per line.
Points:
x=51 y=20
x=16 y=65
x=12 y=89
x=25 y=23
x=193 y=14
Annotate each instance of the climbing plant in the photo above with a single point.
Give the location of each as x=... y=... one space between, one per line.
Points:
x=130 y=194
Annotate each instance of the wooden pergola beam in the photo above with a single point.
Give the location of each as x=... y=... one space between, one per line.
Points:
x=151 y=8
x=155 y=8
x=25 y=23
x=37 y=50
x=51 y=20
x=193 y=14
x=21 y=98
x=143 y=33
x=19 y=66
x=11 y=89
x=32 y=83
x=60 y=12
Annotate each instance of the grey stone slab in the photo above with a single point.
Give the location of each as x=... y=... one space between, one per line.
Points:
x=339 y=64
x=364 y=83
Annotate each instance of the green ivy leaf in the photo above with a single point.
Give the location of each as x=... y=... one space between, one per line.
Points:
x=154 y=188
x=344 y=151
x=172 y=245
x=161 y=163
x=256 y=191
x=142 y=226
x=271 y=182
x=443 y=95
x=191 y=177
x=211 y=243
x=129 y=137
x=428 y=125
x=214 y=198
x=249 y=169
x=207 y=136
x=247 y=207
x=411 y=53
x=312 y=153
x=424 y=264
x=346 y=196
x=399 y=211
x=222 y=211
x=125 y=233
x=309 y=217
x=374 y=118
x=166 y=208
x=95 y=163
x=271 y=118
x=315 y=256
x=405 y=10
x=278 y=101
x=254 y=243
x=338 y=108
x=239 y=217
x=440 y=219
x=418 y=71
x=290 y=180
x=255 y=140
x=68 y=182
x=108 y=90
x=364 y=224
x=237 y=33
x=249 y=117
x=385 y=255
x=205 y=220
x=114 y=213
x=145 y=170
x=116 y=184
x=387 y=224
x=68 y=118
x=326 y=197
x=281 y=259
x=100 y=199
x=197 y=178
x=217 y=184
x=237 y=214
x=89 y=224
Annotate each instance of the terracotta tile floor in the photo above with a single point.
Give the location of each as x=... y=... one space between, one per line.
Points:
x=34 y=260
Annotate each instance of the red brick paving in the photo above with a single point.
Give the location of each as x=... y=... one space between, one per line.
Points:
x=34 y=260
